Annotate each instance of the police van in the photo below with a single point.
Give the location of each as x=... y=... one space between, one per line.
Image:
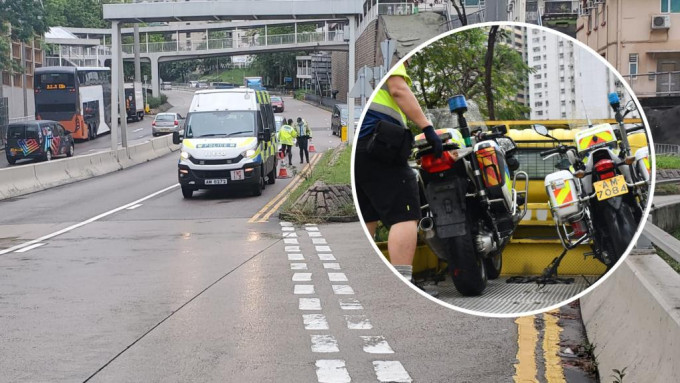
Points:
x=228 y=141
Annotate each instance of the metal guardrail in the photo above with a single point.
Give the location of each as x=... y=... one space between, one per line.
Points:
x=667 y=149
x=664 y=83
x=664 y=241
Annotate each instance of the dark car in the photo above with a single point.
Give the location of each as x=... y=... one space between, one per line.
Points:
x=41 y=139
x=277 y=104
x=340 y=116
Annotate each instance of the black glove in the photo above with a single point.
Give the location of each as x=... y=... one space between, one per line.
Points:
x=434 y=140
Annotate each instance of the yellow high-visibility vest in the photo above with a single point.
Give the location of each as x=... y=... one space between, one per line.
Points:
x=383 y=101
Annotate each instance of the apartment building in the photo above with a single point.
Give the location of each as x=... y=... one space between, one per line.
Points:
x=641 y=38
x=16 y=93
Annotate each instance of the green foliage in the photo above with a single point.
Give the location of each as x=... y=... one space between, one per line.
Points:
x=455 y=65
x=273 y=67
x=27 y=20
x=177 y=70
x=618 y=375
x=75 y=13
x=234 y=76
x=667 y=162
x=300 y=94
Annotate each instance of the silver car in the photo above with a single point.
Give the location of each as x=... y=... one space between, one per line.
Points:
x=166 y=123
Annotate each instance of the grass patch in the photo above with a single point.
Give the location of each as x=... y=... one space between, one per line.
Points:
x=667 y=162
x=234 y=76
x=667 y=189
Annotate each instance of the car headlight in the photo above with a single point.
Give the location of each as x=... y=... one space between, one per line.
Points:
x=184 y=155
x=248 y=153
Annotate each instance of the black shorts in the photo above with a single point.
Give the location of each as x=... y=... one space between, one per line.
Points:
x=385 y=193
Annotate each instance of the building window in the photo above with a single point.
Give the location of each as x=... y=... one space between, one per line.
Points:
x=539 y=113
x=537 y=76
x=537 y=58
x=670 y=6
x=539 y=85
x=633 y=65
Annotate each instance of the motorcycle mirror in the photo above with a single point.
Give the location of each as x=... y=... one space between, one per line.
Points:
x=630 y=106
x=541 y=129
x=502 y=129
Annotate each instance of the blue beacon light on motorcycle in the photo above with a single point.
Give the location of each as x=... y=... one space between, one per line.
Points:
x=457 y=104
x=614 y=98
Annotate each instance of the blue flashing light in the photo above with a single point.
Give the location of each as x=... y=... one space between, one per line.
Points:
x=614 y=98
x=457 y=104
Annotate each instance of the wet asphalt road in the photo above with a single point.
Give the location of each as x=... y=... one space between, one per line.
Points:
x=178 y=290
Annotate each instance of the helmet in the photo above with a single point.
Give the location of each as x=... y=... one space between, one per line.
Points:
x=290 y=121
x=299 y=119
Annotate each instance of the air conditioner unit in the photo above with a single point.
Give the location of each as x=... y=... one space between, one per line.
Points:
x=661 y=21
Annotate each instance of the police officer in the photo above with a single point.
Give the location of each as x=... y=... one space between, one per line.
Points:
x=389 y=192
x=304 y=134
x=286 y=137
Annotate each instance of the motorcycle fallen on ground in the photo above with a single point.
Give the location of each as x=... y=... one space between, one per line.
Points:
x=595 y=196
x=470 y=202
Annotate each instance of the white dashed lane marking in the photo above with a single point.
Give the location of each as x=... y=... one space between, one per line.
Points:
x=332 y=371
x=309 y=304
x=296 y=257
x=31 y=247
x=358 y=322
x=291 y=249
x=312 y=228
x=350 y=304
x=376 y=345
x=290 y=241
x=319 y=241
x=332 y=266
x=337 y=277
x=298 y=266
x=315 y=322
x=286 y=228
x=322 y=249
x=284 y=223
x=302 y=277
x=326 y=257
x=133 y=207
x=290 y=234
x=313 y=234
x=303 y=289
x=391 y=371
x=324 y=343
x=343 y=290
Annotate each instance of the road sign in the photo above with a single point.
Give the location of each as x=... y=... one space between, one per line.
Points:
x=388 y=47
x=287 y=79
x=357 y=90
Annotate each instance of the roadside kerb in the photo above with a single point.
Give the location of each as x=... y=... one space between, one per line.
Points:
x=633 y=319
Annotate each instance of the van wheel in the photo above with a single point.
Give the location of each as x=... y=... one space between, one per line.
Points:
x=11 y=161
x=71 y=150
x=271 y=176
x=187 y=192
x=257 y=189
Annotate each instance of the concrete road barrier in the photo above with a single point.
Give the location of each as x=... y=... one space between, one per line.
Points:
x=25 y=179
x=633 y=319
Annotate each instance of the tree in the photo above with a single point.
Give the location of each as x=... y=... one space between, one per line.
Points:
x=456 y=65
x=20 y=20
x=276 y=66
x=460 y=10
x=75 y=13
x=177 y=70
x=488 y=67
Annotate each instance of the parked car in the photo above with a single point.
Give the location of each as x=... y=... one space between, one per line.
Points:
x=277 y=104
x=166 y=123
x=43 y=139
x=340 y=116
x=202 y=85
x=193 y=84
x=279 y=120
x=166 y=85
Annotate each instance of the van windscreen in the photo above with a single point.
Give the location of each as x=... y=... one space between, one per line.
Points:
x=220 y=123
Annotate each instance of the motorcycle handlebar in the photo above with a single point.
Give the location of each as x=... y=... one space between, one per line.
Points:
x=560 y=149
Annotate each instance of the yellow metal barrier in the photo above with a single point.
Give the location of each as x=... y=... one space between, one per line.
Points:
x=343 y=134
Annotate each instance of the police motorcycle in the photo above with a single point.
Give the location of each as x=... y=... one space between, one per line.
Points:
x=470 y=202
x=593 y=197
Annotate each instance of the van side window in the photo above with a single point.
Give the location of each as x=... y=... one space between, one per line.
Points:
x=260 y=125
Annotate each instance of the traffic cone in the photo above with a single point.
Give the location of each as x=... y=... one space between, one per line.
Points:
x=281 y=155
x=283 y=172
x=312 y=149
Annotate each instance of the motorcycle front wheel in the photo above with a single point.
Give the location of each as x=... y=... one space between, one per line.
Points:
x=466 y=267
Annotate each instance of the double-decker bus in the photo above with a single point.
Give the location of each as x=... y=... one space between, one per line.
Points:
x=78 y=97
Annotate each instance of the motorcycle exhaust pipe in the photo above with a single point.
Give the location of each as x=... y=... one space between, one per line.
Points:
x=426 y=225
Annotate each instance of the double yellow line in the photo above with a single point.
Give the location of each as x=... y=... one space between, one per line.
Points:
x=527 y=338
x=272 y=206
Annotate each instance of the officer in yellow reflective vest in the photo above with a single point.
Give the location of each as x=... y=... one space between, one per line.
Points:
x=286 y=137
x=388 y=192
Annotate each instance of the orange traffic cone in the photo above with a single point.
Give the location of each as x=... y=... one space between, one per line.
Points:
x=283 y=172
x=312 y=149
x=281 y=155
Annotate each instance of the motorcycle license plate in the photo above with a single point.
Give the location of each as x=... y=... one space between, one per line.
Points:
x=610 y=188
x=216 y=181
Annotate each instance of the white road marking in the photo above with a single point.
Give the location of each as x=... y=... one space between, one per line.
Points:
x=303 y=289
x=291 y=249
x=291 y=241
x=326 y=257
x=315 y=321
x=27 y=248
x=319 y=241
x=391 y=371
x=290 y=234
x=332 y=266
x=337 y=277
x=134 y=207
x=376 y=345
x=88 y=221
x=321 y=249
x=324 y=343
x=314 y=234
x=284 y=223
x=332 y=371
x=302 y=277
x=343 y=290
x=288 y=228
x=137 y=130
x=312 y=228
x=358 y=322
x=309 y=304
x=296 y=257
x=350 y=304
x=297 y=266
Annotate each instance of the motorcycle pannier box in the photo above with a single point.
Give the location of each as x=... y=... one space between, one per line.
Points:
x=562 y=190
x=492 y=165
x=595 y=136
x=644 y=167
